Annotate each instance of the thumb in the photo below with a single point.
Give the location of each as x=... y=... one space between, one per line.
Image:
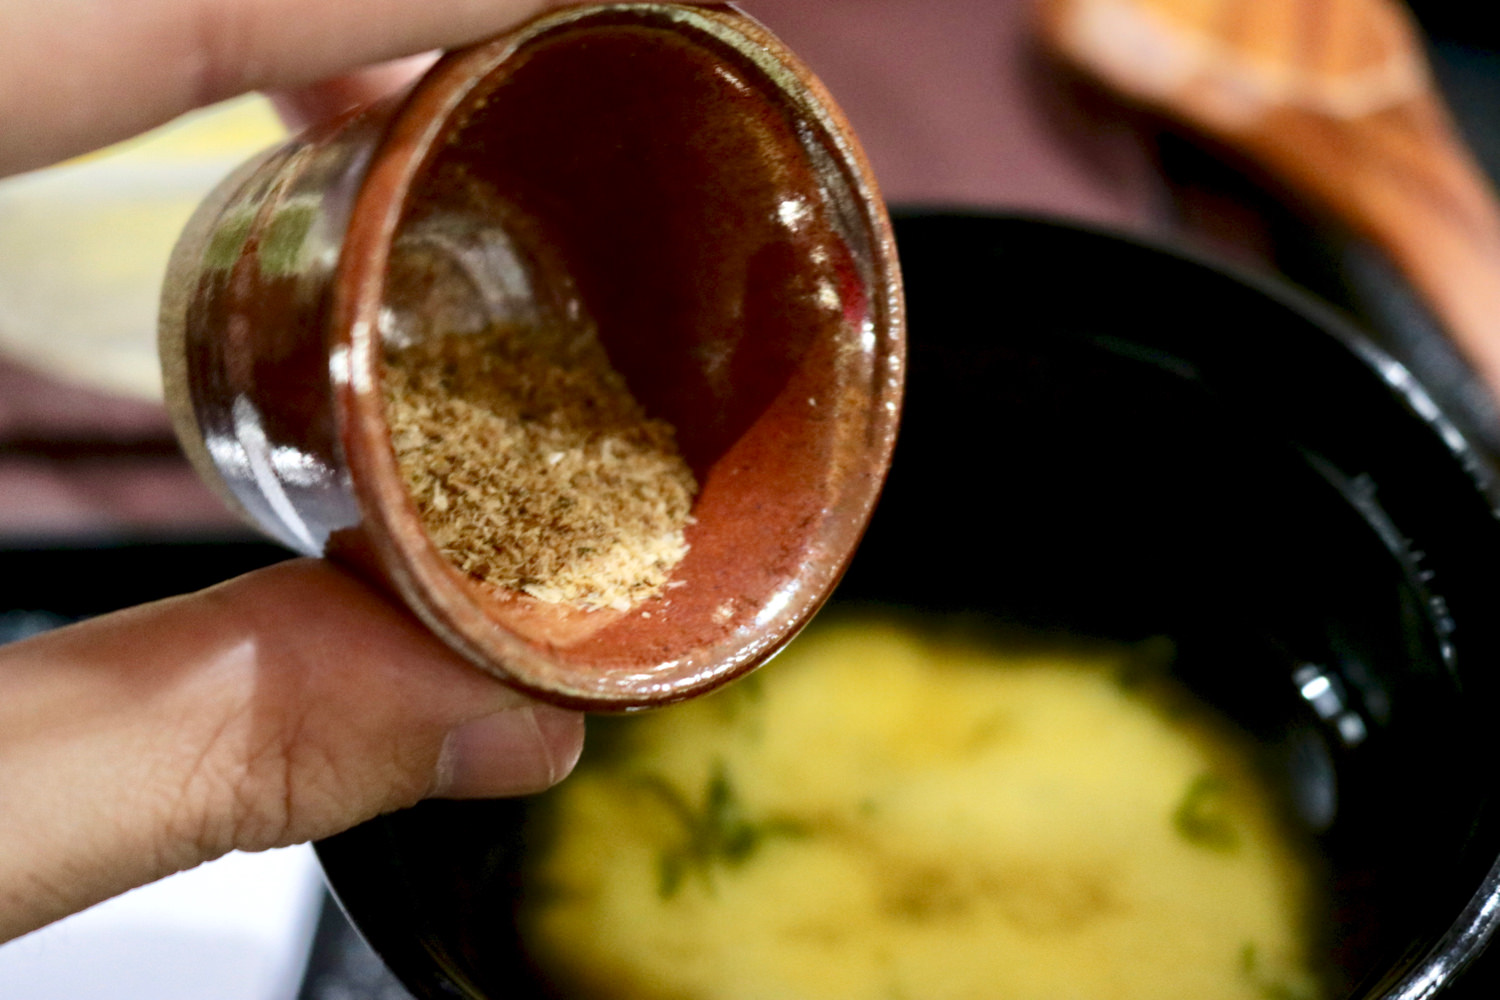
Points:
x=283 y=706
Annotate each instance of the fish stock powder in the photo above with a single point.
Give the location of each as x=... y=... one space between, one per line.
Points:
x=532 y=466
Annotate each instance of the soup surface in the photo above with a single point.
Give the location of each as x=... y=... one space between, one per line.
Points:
x=912 y=808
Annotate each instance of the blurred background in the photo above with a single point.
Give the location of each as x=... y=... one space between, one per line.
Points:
x=997 y=105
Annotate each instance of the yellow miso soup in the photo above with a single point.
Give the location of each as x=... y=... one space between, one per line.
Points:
x=905 y=809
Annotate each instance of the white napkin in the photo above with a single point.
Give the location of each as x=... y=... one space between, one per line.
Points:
x=239 y=928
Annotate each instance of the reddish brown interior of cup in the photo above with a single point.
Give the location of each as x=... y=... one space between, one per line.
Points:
x=703 y=235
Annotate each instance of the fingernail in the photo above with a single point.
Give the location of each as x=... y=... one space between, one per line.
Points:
x=515 y=752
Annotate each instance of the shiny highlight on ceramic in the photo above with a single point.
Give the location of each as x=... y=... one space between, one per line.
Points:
x=739 y=265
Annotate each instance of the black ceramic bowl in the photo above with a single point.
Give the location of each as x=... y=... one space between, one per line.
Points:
x=1110 y=439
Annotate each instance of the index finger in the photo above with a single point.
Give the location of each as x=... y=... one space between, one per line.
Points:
x=79 y=74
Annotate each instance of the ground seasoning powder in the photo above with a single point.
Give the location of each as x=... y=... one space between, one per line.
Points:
x=534 y=468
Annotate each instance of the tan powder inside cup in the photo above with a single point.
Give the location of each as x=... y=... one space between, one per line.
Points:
x=533 y=467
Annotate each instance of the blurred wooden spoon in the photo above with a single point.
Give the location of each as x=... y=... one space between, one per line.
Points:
x=1334 y=101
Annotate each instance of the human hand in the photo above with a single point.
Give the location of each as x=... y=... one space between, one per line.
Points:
x=75 y=76
x=291 y=703
x=280 y=707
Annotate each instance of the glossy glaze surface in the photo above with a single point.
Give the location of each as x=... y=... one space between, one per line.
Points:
x=245 y=364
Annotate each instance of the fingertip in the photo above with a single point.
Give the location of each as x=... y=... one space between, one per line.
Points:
x=562 y=733
x=300 y=107
x=519 y=751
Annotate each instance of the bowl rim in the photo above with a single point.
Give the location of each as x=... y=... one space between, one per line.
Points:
x=421 y=959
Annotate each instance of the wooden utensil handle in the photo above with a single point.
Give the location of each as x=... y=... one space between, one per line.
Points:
x=1333 y=101
x=1402 y=179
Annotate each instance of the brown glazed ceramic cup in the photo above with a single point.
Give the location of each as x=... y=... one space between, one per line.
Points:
x=671 y=169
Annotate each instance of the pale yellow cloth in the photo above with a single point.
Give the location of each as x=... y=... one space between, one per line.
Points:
x=84 y=245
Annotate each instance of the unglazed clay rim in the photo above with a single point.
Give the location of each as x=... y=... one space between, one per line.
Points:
x=429 y=585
